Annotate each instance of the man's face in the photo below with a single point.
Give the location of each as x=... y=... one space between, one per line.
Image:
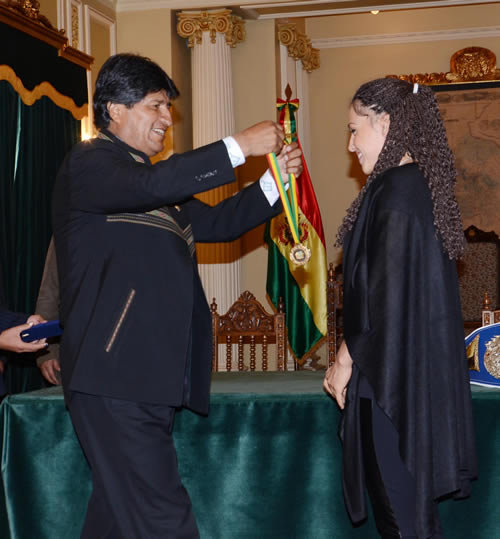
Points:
x=143 y=125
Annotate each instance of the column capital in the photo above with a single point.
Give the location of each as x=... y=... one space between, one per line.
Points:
x=192 y=24
x=299 y=46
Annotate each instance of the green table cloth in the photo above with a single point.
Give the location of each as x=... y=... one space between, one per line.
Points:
x=265 y=464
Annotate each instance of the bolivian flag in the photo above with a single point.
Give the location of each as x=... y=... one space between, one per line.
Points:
x=303 y=288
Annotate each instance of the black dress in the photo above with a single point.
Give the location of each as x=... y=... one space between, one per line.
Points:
x=404 y=332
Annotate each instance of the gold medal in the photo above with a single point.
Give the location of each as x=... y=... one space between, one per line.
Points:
x=300 y=254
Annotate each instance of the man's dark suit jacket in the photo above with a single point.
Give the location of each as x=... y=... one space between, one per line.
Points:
x=136 y=321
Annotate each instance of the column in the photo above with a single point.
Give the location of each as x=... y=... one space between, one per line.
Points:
x=210 y=35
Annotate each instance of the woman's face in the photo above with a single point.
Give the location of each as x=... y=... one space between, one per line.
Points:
x=368 y=133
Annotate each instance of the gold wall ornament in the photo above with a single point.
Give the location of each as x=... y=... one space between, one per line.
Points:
x=12 y=14
x=75 y=27
x=191 y=25
x=472 y=64
x=31 y=9
x=299 y=46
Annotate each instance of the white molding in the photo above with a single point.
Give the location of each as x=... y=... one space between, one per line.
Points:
x=61 y=15
x=284 y=75
x=91 y=13
x=309 y=10
x=410 y=37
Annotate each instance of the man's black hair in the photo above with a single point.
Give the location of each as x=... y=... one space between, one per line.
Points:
x=127 y=78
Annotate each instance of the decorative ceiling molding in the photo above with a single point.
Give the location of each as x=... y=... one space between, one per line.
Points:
x=299 y=46
x=263 y=9
x=410 y=37
x=192 y=24
x=318 y=8
x=145 y=5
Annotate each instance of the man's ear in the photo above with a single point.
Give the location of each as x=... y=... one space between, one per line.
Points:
x=115 y=111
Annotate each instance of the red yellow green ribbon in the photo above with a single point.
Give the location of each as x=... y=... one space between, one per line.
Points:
x=287 y=120
x=289 y=205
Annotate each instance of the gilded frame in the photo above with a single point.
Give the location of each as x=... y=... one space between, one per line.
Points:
x=472 y=86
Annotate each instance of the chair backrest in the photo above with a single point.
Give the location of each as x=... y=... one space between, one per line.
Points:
x=489 y=316
x=248 y=323
x=478 y=273
x=334 y=305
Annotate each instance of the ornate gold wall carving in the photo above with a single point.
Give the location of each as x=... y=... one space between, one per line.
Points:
x=299 y=46
x=31 y=9
x=75 y=27
x=472 y=64
x=24 y=15
x=192 y=25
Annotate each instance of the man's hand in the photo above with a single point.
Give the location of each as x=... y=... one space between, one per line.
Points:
x=35 y=319
x=51 y=371
x=10 y=340
x=290 y=161
x=338 y=375
x=260 y=139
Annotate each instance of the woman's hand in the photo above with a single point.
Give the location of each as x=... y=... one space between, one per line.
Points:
x=338 y=375
x=10 y=340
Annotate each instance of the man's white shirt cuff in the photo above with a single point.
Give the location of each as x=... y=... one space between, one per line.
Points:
x=266 y=181
x=234 y=151
x=268 y=186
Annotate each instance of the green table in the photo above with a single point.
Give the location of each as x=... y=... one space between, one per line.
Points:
x=264 y=464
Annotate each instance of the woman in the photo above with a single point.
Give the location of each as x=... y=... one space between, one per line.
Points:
x=11 y=326
x=401 y=374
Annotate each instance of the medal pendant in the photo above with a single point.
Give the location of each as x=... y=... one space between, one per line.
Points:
x=300 y=254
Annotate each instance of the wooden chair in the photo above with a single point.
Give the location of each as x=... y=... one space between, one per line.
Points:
x=247 y=322
x=489 y=316
x=479 y=273
x=334 y=304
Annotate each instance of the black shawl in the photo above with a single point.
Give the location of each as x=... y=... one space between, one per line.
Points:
x=404 y=331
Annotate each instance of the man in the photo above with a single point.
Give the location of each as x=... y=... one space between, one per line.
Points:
x=47 y=304
x=137 y=327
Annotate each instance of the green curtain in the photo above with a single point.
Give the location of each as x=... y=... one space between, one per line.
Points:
x=34 y=142
x=47 y=133
x=8 y=128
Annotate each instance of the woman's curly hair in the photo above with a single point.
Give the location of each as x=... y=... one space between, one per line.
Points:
x=415 y=128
